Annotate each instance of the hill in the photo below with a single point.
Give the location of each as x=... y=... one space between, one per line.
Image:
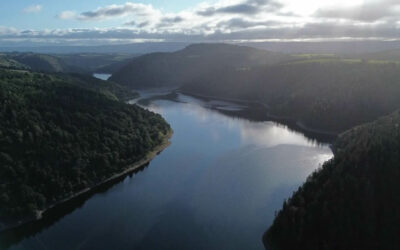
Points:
x=8 y=63
x=61 y=134
x=353 y=201
x=110 y=89
x=43 y=63
x=324 y=93
x=66 y=63
x=320 y=91
x=96 y=63
x=177 y=68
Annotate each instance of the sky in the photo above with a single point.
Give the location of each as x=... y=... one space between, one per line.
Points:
x=89 y=22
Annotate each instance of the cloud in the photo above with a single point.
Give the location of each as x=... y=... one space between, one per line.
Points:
x=168 y=21
x=312 y=30
x=249 y=7
x=176 y=19
x=33 y=9
x=231 y=20
x=245 y=9
x=137 y=9
x=5 y=31
x=67 y=15
x=136 y=24
x=243 y=23
x=131 y=23
x=368 y=11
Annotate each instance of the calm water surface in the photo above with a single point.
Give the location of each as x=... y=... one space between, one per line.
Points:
x=102 y=76
x=216 y=187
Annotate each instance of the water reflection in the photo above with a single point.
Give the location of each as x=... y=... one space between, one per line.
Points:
x=102 y=76
x=216 y=187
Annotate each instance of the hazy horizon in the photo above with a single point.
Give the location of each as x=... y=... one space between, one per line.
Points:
x=106 y=22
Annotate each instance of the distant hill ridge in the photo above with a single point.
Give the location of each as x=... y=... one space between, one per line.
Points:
x=320 y=91
x=66 y=63
x=177 y=68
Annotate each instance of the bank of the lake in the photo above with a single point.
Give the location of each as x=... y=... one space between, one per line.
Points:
x=264 y=113
x=102 y=76
x=215 y=187
x=62 y=135
x=131 y=168
x=352 y=202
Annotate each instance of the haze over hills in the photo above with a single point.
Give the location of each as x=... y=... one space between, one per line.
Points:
x=43 y=62
x=287 y=47
x=311 y=91
x=308 y=88
x=177 y=68
x=66 y=63
x=130 y=48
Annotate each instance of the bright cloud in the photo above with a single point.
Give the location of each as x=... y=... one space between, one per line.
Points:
x=67 y=15
x=33 y=9
x=233 y=20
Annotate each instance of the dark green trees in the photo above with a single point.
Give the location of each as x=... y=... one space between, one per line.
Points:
x=57 y=138
x=353 y=202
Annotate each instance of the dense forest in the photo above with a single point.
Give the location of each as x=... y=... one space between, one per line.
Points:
x=353 y=201
x=97 y=62
x=43 y=62
x=177 y=68
x=86 y=63
x=60 y=134
x=321 y=91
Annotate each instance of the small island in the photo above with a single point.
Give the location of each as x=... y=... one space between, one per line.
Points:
x=62 y=135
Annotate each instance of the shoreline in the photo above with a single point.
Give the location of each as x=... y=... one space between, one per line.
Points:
x=130 y=169
x=283 y=119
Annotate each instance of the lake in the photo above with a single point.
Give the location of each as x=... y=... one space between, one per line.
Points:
x=102 y=76
x=216 y=187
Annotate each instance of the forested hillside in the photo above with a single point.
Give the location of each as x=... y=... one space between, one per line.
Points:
x=59 y=136
x=8 y=63
x=330 y=94
x=96 y=63
x=65 y=63
x=353 y=201
x=43 y=62
x=110 y=89
x=177 y=68
x=320 y=91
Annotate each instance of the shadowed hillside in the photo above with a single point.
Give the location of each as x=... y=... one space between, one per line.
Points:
x=177 y=68
x=61 y=134
x=353 y=201
x=325 y=93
